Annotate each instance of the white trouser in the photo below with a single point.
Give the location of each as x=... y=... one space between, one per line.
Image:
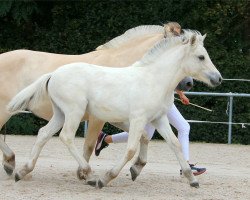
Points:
x=175 y=119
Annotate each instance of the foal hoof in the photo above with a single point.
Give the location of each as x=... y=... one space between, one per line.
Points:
x=17 y=177
x=92 y=183
x=133 y=173
x=195 y=184
x=100 y=184
x=9 y=170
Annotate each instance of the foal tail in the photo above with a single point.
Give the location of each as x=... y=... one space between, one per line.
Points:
x=29 y=96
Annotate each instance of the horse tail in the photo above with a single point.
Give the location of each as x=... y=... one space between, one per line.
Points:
x=29 y=96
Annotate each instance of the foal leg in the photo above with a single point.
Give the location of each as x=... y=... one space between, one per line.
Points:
x=141 y=160
x=44 y=134
x=94 y=128
x=8 y=155
x=163 y=127
x=67 y=135
x=135 y=133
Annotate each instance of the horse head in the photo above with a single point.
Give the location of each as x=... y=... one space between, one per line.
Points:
x=197 y=62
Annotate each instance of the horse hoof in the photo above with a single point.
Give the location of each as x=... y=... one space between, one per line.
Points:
x=17 y=177
x=100 y=184
x=9 y=164
x=92 y=183
x=81 y=175
x=8 y=170
x=195 y=184
x=133 y=173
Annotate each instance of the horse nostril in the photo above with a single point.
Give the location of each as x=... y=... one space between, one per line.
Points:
x=189 y=84
x=220 y=79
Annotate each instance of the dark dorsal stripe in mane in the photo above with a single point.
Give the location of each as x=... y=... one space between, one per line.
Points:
x=131 y=34
x=168 y=43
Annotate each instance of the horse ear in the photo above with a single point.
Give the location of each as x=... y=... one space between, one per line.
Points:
x=204 y=36
x=185 y=40
x=193 y=40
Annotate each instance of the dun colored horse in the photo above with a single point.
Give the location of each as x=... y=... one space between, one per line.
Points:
x=118 y=95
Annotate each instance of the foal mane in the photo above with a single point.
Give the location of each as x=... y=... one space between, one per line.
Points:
x=167 y=43
x=131 y=34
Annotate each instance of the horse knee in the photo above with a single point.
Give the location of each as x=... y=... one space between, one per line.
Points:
x=144 y=139
x=65 y=139
x=42 y=135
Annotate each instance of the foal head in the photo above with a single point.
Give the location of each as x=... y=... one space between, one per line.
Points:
x=196 y=62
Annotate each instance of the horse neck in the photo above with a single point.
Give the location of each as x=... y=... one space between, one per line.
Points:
x=134 y=49
x=167 y=69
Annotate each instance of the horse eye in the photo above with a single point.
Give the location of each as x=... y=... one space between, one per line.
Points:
x=201 y=57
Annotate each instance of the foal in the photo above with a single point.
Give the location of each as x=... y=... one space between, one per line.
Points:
x=118 y=95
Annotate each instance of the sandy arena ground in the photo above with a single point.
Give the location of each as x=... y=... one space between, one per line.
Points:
x=54 y=177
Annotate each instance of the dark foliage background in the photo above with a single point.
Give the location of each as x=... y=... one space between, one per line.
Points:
x=76 y=27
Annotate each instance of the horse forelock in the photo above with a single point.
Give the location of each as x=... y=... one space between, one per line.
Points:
x=130 y=34
x=168 y=43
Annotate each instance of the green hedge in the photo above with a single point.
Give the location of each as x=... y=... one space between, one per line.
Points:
x=77 y=27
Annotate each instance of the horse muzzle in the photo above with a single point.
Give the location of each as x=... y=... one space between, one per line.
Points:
x=215 y=79
x=186 y=84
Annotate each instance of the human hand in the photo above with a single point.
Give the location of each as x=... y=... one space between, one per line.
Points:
x=184 y=99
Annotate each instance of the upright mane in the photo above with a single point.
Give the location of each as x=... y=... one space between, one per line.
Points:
x=131 y=34
x=188 y=33
x=168 y=43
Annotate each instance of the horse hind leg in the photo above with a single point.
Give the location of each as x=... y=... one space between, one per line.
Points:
x=141 y=160
x=94 y=128
x=8 y=158
x=72 y=120
x=8 y=155
x=44 y=134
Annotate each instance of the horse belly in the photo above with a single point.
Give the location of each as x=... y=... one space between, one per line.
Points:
x=107 y=112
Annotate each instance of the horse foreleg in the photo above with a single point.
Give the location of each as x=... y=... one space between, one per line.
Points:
x=135 y=133
x=163 y=127
x=94 y=128
x=44 y=134
x=141 y=160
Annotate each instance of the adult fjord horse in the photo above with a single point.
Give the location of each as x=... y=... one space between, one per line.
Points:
x=121 y=95
x=22 y=67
